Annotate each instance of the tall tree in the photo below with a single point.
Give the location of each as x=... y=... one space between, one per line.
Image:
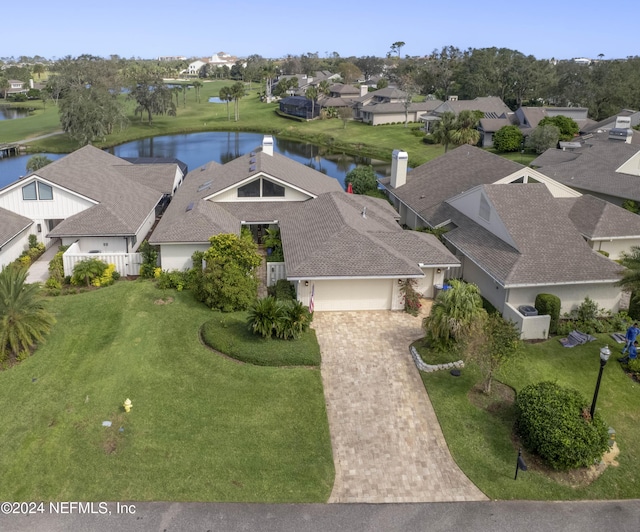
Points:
x=36 y=162
x=197 y=85
x=226 y=96
x=24 y=320
x=312 y=94
x=38 y=69
x=151 y=94
x=466 y=128
x=237 y=92
x=396 y=48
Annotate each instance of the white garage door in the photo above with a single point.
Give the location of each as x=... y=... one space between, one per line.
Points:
x=369 y=294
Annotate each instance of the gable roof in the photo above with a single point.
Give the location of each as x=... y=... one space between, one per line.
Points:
x=99 y=176
x=593 y=167
x=439 y=179
x=491 y=106
x=11 y=225
x=398 y=107
x=548 y=249
x=255 y=163
x=598 y=219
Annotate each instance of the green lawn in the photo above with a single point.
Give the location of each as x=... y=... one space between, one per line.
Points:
x=481 y=443
x=356 y=139
x=202 y=427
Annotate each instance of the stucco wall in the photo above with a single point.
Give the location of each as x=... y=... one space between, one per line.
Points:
x=531 y=327
x=178 y=256
x=571 y=296
x=14 y=249
x=614 y=247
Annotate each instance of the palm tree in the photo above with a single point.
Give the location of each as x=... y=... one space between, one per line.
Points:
x=466 y=131
x=197 y=85
x=269 y=72
x=312 y=94
x=444 y=128
x=23 y=319
x=226 y=96
x=38 y=69
x=324 y=89
x=453 y=313
x=36 y=162
x=237 y=92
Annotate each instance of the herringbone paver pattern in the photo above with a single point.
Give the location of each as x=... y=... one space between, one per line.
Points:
x=387 y=443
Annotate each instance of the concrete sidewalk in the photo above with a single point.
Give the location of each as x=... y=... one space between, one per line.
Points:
x=39 y=270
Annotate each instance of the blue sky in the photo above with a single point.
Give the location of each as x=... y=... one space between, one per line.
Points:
x=195 y=28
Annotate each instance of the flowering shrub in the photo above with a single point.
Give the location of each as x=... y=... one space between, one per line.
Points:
x=107 y=277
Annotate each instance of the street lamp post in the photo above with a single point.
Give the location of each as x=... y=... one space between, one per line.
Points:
x=605 y=353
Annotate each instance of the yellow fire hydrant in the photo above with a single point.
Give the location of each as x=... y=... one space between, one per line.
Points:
x=127 y=405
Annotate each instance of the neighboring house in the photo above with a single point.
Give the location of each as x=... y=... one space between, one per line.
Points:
x=492 y=107
x=305 y=81
x=601 y=164
x=386 y=106
x=299 y=106
x=529 y=117
x=194 y=68
x=516 y=232
x=15 y=87
x=348 y=250
x=14 y=236
x=99 y=202
x=613 y=121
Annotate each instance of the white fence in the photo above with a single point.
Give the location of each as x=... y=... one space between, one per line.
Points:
x=125 y=263
x=275 y=272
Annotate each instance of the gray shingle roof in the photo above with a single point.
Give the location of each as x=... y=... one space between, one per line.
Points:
x=548 y=248
x=492 y=106
x=458 y=170
x=11 y=224
x=596 y=218
x=592 y=168
x=383 y=108
x=97 y=175
x=158 y=176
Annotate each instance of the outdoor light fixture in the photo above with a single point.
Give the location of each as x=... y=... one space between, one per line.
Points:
x=399 y=281
x=438 y=270
x=39 y=228
x=605 y=353
x=306 y=283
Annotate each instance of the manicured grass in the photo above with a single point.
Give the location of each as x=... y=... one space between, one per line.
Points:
x=481 y=443
x=202 y=427
x=356 y=139
x=228 y=333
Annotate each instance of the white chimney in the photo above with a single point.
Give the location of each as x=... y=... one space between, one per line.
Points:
x=364 y=89
x=399 y=162
x=267 y=145
x=623 y=122
x=31 y=83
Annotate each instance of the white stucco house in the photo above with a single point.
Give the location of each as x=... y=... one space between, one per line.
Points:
x=517 y=233
x=94 y=201
x=348 y=249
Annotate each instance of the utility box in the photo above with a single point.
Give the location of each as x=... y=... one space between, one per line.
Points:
x=612 y=436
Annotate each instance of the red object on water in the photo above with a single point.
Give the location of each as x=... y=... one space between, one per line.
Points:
x=349 y=189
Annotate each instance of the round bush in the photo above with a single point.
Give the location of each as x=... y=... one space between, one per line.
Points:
x=554 y=423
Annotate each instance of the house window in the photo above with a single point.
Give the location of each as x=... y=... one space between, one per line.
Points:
x=37 y=191
x=29 y=192
x=250 y=190
x=45 y=192
x=270 y=189
x=485 y=209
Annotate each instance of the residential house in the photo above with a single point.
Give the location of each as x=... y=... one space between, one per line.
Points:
x=605 y=165
x=516 y=232
x=93 y=200
x=15 y=87
x=387 y=106
x=194 y=67
x=14 y=236
x=346 y=250
x=299 y=106
x=496 y=114
x=529 y=117
x=613 y=121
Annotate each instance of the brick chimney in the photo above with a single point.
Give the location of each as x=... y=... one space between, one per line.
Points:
x=399 y=163
x=267 y=145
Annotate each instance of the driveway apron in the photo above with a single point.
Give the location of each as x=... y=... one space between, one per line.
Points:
x=387 y=443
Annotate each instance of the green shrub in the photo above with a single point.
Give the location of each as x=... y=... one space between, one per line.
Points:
x=549 y=304
x=603 y=252
x=270 y=317
x=283 y=290
x=149 y=260
x=588 y=310
x=33 y=241
x=554 y=422
x=87 y=271
x=172 y=279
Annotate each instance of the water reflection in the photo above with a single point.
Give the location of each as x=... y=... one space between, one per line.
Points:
x=197 y=149
x=11 y=113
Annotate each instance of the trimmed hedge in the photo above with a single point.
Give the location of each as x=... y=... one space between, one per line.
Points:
x=549 y=304
x=554 y=422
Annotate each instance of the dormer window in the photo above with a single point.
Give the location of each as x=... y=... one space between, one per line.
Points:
x=36 y=190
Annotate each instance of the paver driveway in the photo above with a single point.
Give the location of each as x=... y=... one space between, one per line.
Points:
x=387 y=443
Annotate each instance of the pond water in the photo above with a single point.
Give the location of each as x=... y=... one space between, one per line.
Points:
x=11 y=113
x=215 y=99
x=196 y=149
